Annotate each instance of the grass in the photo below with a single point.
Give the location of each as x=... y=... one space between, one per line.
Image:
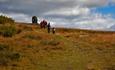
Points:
x=50 y=42
x=6 y=20
x=69 y=49
x=7 y=56
x=7 y=31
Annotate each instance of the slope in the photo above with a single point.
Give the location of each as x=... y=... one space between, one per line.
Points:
x=69 y=49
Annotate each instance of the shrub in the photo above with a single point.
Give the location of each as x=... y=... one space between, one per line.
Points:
x=4 y=20
x=7 y=26
x=7 y=31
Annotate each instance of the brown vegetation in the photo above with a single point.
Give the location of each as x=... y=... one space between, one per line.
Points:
x=69 y=49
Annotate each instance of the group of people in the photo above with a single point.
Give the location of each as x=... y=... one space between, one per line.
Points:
x=43 y=24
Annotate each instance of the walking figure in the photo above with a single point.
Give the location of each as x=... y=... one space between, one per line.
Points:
x=48 y=27
x=53 y=30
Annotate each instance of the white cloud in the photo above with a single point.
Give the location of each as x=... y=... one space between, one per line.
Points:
x=19 y=17
x=92 y=3
x=76 y=11
x=89 y=20
x=95 y=21
x=61 y=13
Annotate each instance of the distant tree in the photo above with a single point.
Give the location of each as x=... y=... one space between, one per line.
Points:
x=34 y=20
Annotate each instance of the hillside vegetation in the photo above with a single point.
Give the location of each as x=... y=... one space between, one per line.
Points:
x=7 y=26
x=32 y=48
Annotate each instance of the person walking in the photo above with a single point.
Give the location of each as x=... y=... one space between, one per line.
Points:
x=48 y=27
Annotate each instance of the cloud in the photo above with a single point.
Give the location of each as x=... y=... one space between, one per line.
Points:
x=61 y=13
x=113 y=1
x=19 y=17
x=37 y=7
x=75 y=11
x=97 y=21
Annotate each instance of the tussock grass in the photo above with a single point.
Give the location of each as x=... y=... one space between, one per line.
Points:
x=7 y=56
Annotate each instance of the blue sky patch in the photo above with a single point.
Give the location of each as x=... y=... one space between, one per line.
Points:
x=110 y=9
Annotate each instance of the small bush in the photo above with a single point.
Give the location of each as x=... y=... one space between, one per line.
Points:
x=4 y=20
x=7 y=31
x=7 y=26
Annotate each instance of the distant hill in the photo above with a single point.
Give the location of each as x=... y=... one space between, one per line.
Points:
x=32 y=48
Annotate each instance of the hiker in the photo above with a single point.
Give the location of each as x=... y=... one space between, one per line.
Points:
x=43 y=24
x=53 y=30
x=34 y=20
x=48 y=27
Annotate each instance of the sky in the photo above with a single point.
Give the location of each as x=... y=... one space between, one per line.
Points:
x=83 y=14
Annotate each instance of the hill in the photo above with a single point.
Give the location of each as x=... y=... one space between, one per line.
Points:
x=33 y=48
